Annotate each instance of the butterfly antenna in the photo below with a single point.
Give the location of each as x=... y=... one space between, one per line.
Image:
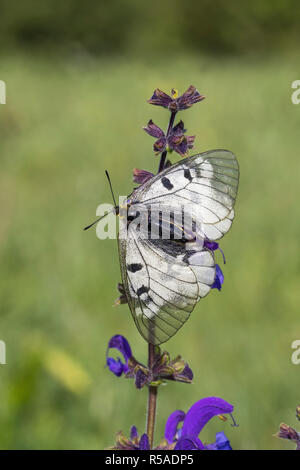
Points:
x=111 y=189
x=93 y=223
x=115 y=208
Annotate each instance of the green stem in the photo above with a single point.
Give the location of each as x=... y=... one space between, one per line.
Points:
x=152 y=396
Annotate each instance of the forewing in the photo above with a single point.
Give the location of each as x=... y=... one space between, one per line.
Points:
x=207 y=182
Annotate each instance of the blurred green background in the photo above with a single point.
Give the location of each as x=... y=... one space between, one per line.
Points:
x=78 y=76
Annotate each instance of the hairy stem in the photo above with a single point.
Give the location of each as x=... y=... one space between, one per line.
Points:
x=152 y=396
x=164 y=154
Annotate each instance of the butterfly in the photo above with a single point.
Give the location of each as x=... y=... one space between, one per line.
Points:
x=163 y=278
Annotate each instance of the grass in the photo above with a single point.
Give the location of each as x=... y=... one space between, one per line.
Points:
x=63 y=124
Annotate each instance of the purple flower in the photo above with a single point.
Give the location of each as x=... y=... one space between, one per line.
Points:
x=175 y=140
x=175 y=103
x=185 y=438
x=194 y=421
x=141 y=176
x=116 y=366
x=219 y=279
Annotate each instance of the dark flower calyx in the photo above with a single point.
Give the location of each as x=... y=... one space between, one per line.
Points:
x=287 y=432
x=134 y=443
x=122 y=299
x=174 y=102
x=141 y=176
x=175 y=140
x=163 y=369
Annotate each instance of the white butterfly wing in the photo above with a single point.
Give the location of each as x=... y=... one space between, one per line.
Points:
x=208 y=182
x=164 y=279
x=163 y=282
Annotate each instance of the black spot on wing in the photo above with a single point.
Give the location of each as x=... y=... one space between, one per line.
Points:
x=167 y=183
x=134 y=267
x=187 y=175
x=142 y=290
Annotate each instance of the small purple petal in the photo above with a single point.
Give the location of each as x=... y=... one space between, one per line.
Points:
x=178 y=141
x=141 y=176
x=182 y=147
x=160 y=144
x=219 y=279
x=115 y=366
x=140 y=379
x=189 y=97
x=187 y=372
x=121 y=344
x=174 y=140
x=178 y=144
x=287 y=432
x=178 y=129
x=159 y=98
x=133 y=433
x=153 y=130
x=222 y=442
x=144 y=443
x=210 y=245
x=201 y=412
x=172 y=425
x=189 y=443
